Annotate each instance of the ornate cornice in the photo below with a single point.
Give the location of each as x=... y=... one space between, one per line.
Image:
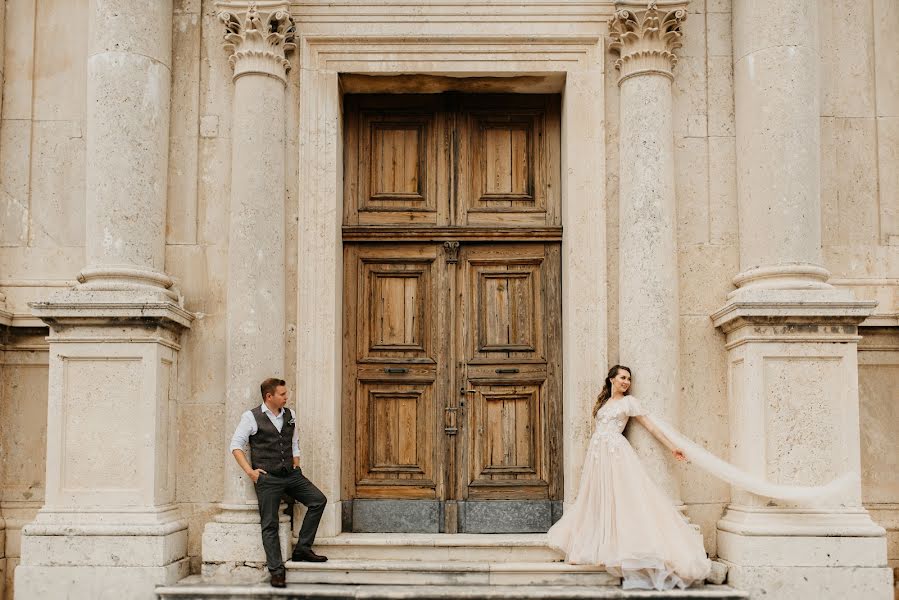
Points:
x=646 y=38
x=258 y=35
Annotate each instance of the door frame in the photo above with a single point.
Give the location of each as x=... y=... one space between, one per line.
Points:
x=570 y=63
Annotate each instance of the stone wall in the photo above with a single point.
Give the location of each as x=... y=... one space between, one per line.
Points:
x=42 y=225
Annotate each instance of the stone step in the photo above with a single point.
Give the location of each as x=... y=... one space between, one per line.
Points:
x=193 y=588
x=528 y=547
x=456 y=572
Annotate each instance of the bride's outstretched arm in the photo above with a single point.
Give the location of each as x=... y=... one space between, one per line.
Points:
x=651 y=428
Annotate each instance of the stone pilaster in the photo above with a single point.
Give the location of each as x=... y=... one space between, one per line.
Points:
x=645 y=36
x=109 y=525
x=791 y=337
x=258 y=36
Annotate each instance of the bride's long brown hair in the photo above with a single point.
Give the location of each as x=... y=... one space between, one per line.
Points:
x=606 y=391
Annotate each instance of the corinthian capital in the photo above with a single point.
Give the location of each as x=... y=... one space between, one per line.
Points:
x=258 y=35
x=645 y=37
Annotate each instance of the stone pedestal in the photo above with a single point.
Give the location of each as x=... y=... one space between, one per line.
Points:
x=649 y=329
x=793 y=394
x=258 y=39
x=109 y=526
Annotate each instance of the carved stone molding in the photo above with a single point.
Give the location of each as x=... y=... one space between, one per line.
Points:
x=646 y=38
x=258 y=35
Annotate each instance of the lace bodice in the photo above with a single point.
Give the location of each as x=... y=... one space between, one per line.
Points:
x=613 y=416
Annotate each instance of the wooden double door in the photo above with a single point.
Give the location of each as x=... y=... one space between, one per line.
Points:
x=452 y=352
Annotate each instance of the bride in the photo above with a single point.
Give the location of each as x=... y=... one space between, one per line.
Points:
x=620 y=518
x=623 y=521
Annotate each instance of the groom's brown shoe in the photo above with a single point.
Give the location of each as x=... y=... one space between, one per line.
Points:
x=307 y=555
x=279 y=580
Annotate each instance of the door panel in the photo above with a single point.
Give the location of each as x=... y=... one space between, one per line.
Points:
x=395 y=420
x=396 y=371
x=505 y=305
x=506 y=441
x=395 y=160
x=511 y=370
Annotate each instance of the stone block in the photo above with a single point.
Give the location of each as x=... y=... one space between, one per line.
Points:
x=879 y=419
x=718 y=575
x=214 y=185
x=398 y=516
x=23 y=431
x=705 y=516
x=122 y=583
x=690 y=98
x=205 y=349
x=719 y=34
x=691 y=167
x=791 y=583
x=58 y=184
x=181 y=215
x=201 y=450
x=505 y=516
x=18 y=73
x=849 y=173
x=186 y=42
x=216 y=95
x=228 y=545
x=847 y=56
x=721 y=96
x=886 y=49
x=15 y=162
x=888 y=178
x=694 y=39
x=801 y=551
x=705 y=277
x=197 y=515
x=129 y=550
x=723 y=212
x=60 y=68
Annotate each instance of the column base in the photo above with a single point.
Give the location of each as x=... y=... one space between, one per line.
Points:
x=122 y=583
x=232 y=545
x=801 y=553
x=790 y=583
x=69 y=554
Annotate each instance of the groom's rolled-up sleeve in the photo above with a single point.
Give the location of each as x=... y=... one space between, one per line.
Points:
x=245 y=428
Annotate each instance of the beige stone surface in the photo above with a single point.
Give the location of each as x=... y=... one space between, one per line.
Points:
x=177 y=186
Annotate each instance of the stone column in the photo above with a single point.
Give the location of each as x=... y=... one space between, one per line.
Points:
x=258 y=36
x=791 y=337
x=109 y=525
x=646 y=36
x=128 y=97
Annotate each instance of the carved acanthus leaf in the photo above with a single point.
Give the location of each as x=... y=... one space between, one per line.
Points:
x=259 y=39
x=646 y=39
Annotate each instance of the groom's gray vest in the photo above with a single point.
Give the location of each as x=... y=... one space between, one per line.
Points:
x=272 y=450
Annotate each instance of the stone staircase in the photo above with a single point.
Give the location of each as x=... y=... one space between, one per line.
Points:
x=435 y=566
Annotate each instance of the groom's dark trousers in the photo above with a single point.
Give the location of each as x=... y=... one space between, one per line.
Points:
x=271 y=451
x=270 y=487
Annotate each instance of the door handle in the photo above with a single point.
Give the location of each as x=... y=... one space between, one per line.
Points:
x=396 y=370
x=449 y=420
x=507 y=370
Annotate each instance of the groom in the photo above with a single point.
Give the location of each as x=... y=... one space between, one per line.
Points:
x=270 y=429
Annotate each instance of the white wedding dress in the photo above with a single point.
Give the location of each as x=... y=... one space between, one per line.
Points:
x=622 y=520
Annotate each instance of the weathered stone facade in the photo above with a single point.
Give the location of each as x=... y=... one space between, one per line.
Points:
x=170 y=234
